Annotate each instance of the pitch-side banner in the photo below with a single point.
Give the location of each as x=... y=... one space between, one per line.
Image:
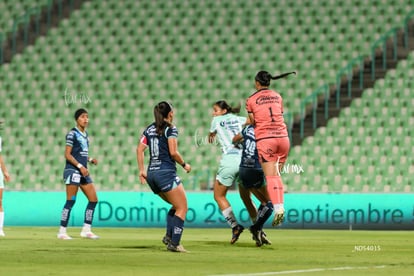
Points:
x=144 y=209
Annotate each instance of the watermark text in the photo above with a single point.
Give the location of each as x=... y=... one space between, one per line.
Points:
x=76 y=97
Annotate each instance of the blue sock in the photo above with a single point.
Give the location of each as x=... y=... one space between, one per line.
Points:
x=177 y=230
x=90 y=209
x=259 y=211
x=264 y=212
x=66 y=212
x=170 y=218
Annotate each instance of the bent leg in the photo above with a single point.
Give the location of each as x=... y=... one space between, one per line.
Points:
x=265 y=209
x=220 y=192
x=245 y=195
x=177 y=198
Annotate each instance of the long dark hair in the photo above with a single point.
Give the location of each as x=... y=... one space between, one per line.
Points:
x=224 y=105
x=264 y=77
x=161 y=111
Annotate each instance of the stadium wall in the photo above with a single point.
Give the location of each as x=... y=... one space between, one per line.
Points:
x=144 y=209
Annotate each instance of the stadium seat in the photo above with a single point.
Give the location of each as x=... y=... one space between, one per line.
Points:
x=194 y=53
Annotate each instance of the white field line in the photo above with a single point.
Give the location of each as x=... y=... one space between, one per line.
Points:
x=303 y=271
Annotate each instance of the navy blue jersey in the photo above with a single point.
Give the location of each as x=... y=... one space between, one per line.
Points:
x=80 y=144
x=160 y=158
x=250 y=157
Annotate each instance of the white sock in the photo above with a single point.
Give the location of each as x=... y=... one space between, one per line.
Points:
x=1 y=220
x=278 y=206
x=229 y=216
x=62 y=230
x=86 y=227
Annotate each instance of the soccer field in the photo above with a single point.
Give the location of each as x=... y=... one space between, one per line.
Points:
x=130 y=251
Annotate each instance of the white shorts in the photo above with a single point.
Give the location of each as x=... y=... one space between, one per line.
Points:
x=228 y=171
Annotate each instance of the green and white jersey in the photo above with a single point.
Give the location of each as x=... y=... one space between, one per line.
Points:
x=226 y=127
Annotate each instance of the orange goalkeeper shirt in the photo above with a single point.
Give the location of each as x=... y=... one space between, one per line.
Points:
x=267 y=108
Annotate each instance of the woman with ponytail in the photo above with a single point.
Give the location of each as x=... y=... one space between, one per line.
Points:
x=76 y=176
x=160 y=138
x=224 y=126
x=265 y=109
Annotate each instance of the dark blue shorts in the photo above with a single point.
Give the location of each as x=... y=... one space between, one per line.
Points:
x=251 y=177
x=71 y=176
x=162 y=180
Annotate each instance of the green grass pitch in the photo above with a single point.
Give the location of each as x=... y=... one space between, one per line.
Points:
x=139 y=251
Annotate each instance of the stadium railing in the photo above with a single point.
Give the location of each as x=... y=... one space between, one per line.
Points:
x=314 y=100
x=382 y=43
x=348 y=71
x=25 y=21
x=407 y=19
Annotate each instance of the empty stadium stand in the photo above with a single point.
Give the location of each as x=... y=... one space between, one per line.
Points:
x=119 y=58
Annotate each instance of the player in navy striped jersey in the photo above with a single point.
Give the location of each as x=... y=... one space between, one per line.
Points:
x=76 y=175
x=161 y=175
x=252 y=179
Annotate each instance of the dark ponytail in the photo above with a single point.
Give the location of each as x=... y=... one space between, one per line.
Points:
x=161 y=111
x=264 y=77
x=224 y=105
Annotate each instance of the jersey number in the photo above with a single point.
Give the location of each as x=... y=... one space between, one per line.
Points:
x=155 y=150
x=250 y=147
x=271 y=114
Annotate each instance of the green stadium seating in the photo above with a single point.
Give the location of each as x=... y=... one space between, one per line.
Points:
x=367 y=147
x=128 y=55
x=12 y=10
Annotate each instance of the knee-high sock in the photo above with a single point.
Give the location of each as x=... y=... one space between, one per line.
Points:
x=170 y=218
x=273 y=188
x=90 y=209
x=265 y=211
x=177 y=230
x=229 y=216
x=280 y=189
x=66 y=213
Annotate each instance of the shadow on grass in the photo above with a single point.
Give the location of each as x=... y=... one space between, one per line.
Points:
x=238 y=245
x=152 y=247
